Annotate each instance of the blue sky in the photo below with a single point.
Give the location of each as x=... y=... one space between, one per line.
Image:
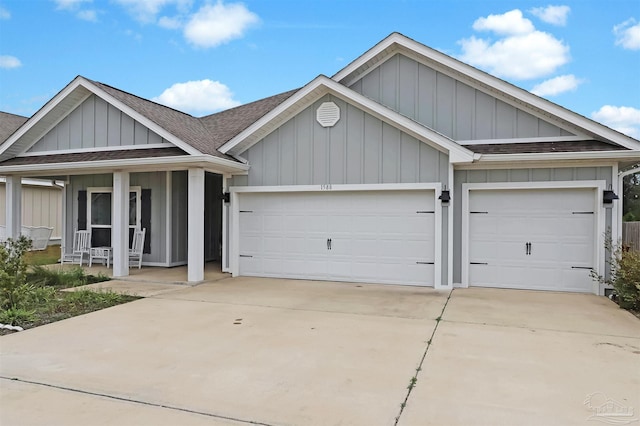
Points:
x=202 y=56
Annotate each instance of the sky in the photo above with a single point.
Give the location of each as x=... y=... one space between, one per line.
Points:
x=203 y=56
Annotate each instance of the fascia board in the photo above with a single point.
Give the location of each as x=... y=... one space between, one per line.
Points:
x=559 y=156
x=458 y=67
x=224 y=165
x=47 y=108
x=457 y=153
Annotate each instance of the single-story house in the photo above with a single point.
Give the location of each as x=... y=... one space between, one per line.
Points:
x=406 y=167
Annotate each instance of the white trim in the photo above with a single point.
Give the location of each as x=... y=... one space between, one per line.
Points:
x=616 y=208
x=597 y=185
x=100 y=149
x=13 y=206
x=450 y=232
x=558 y=156
x=335 y=188
x=169 y=214
x=319 y=87
x=535 y=165
x=119 y=222
x=523 y=140
x=225 y=224
x=506 y=91
x=182 y=161
x=48 y=183
x=435 y=187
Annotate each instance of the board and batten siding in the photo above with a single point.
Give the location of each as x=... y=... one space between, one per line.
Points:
x=155 y=181
x=359 y=149
x=446 y=105
x=96 y=124
x=516 y=175
x=41 y=206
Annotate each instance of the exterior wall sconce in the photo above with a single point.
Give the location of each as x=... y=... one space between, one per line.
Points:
x=608 y=196
x=226 y=197
x=445 y=196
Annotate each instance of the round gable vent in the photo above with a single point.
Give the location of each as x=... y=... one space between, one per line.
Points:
x=328 y=114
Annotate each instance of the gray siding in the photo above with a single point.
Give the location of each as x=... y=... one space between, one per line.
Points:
x=179 y=212
x=156 y=182
x=515 y=175
x=96 y=124
x=446 y=105
x=359 y=149
x=152 y=180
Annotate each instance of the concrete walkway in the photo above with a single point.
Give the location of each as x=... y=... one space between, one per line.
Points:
x=278 y=352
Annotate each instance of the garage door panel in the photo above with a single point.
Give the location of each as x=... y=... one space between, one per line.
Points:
x=376 y=236
x=558 y=225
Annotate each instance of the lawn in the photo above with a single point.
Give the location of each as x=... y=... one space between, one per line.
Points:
x=32 y=295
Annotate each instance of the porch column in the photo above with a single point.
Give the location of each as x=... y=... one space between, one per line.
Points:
x=13 y=206
x=195 y=226
x=120 y=224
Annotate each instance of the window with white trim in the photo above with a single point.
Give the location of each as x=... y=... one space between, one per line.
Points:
x=99 y=214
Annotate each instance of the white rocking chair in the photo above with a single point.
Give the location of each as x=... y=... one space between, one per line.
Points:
x=137 y=246
x=81 y=247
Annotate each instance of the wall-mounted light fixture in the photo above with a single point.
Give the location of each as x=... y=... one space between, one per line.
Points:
x=445 y=196
x=226 y=197
x=608 y=196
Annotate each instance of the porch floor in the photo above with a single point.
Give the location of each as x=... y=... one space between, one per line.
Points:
x=150 y=280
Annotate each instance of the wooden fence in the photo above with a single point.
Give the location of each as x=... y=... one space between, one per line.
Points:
x=631 y=234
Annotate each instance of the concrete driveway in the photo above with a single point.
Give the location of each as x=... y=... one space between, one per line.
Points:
x=278 y=352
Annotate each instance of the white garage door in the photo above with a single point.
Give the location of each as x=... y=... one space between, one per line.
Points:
x=532 y=239
x=364 y=236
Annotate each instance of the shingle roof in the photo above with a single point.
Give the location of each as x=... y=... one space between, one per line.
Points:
x=205 y=134
x=9 y=123
x=94 y=156
x=226 y=124
x=544 y=147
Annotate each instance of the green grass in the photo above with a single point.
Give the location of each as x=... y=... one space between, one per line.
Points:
x=43 y=257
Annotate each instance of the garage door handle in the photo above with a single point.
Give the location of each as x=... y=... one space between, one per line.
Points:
x=527 y=248
x=328 y=243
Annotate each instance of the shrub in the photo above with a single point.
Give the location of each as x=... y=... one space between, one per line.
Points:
x=624 y=276
x=74 y=277
x=16 y=316
x=13 y=271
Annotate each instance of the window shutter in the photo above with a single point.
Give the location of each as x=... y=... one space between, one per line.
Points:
x=145 y=218
x=82 y=210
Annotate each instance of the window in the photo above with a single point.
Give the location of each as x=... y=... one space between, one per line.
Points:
x=99 y=211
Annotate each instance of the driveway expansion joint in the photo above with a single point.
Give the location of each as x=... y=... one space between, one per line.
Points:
x=136 y=401
x=414 y=379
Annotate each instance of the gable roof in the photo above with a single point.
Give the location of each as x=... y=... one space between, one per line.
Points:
x=507 y=92
x=9 y=123
x=323 y=85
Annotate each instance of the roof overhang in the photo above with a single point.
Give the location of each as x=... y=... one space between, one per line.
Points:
x=183 y=162
x=322 y=86
x=61 y=105
x=507 y=92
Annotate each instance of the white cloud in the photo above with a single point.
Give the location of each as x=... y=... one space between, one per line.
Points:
x=520 y=57
x=555 y=86
x=628 y=34
x=521 y=52
x=198 y=97
x=216 y=24
x=554 y=15
x=623 y=119
x=4 y=13
x=70 y=4
x=9 y=62
x=148 y=10
x=88 y=15
x=508 y=23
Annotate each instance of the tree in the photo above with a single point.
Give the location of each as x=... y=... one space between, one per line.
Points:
x=631 y=198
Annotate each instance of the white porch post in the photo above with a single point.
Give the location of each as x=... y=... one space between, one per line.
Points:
x=13 y=206
x=195 y=226
x=120 y=224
